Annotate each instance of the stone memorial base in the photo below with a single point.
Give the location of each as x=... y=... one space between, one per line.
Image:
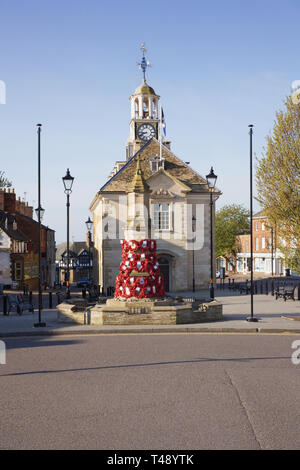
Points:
x=141 y=312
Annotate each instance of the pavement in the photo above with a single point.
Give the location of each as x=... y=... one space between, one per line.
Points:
x=274 y=316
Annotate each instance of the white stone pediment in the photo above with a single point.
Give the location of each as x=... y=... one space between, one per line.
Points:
x=162 y=184
x=161 y=193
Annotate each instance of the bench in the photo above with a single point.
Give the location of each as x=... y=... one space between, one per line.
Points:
x=20 y=303
x=286 y=292
x=245 y=288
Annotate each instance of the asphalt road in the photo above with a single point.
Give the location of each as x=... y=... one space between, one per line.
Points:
x=166 y=391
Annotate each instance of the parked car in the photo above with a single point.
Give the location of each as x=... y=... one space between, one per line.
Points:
x=221 y=274
x=84 y=282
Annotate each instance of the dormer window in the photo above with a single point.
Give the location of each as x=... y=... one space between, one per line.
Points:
x=156 y=163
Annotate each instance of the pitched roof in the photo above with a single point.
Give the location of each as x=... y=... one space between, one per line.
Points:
x=7 y=225
x=174 y=166
x=259 y=214
x=75 y=247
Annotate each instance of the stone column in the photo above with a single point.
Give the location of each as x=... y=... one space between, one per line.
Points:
x=150 y=107
x=140 y=107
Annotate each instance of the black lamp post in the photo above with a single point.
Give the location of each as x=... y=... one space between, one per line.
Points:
x=89 y=225
x=40 y=212
x=251 y=318
x=193 y=230
x=211 y=179
x=68 y=183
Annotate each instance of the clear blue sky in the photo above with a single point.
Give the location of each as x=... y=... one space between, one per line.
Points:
x=71 y=65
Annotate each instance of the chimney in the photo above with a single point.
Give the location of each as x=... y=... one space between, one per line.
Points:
x=18 y=205
x=2 y=200
x=9 y=202
x=28 y=210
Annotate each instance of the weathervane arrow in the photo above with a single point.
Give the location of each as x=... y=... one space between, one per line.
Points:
x=144 y=63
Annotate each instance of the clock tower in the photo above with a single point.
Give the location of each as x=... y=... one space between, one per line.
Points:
x=145 y=119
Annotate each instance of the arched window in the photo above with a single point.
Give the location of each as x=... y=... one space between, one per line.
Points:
x=136 y=109
x=145 y=108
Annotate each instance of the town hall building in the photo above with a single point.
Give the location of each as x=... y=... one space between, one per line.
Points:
x=154 y=194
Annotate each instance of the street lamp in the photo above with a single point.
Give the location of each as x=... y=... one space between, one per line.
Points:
x=68 y=183
x=40 y=213
x=211 y=179
x=89 y=225
x=251 y=318
x=193 y=230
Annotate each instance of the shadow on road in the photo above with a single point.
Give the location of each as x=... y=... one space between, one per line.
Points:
x=150 y=364
x=37 y=342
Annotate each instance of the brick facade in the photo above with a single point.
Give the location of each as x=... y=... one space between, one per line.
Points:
x=24 y=247
x=263 y=240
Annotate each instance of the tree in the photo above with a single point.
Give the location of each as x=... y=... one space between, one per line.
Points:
x=231 y=220
x=4 y=182
x=278 y=180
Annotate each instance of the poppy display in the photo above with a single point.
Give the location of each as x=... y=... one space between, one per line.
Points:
x=139 y=275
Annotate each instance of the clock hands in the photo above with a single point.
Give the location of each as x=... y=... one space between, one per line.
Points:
x=146 y=132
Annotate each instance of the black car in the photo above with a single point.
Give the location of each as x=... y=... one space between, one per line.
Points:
x=84 y=282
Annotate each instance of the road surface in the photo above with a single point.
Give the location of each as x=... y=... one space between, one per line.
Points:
x=155 y=391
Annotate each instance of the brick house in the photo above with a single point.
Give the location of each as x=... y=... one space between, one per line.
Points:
x=264 y=238
x=23 y=243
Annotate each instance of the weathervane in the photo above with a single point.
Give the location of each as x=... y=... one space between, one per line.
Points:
x=144 y=63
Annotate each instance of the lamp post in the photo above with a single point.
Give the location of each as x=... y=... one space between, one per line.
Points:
x=193 y=230
x=211 y=179
x=68 y=183
x=40 y=212
x=89 y=225
x=251 y=318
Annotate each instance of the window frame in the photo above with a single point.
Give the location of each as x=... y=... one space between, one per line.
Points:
x=160 y=228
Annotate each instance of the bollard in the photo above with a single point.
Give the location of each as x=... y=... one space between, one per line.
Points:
x=50 y=299
x=30 y=296
x=5 y=305
x=83 y=293
x=40 y=299
x=267 y=287
x=272 y=286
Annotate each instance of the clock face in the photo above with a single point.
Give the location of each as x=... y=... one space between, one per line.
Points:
x=146 y=131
